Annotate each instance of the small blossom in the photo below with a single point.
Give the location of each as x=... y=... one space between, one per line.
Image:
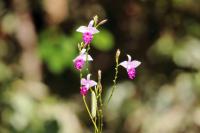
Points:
x=88 y=32
x=83 y=90
x=87 y=82
x=130 y=66
x=80 y=60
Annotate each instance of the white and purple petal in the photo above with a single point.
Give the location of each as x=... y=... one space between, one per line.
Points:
x=135 y=63
x=92 y=30
x=82 y=29
x=83 y=81
x=92 y=83
x=129 y=57
x=83 y=51
x=88 y=29
x=91 y=23
x=88 y=76
x=124 y=64
x=87 y=57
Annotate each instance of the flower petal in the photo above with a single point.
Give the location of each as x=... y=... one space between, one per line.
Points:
x=92 y=83
x=83 y=51
x=135 y=63
x=82 y=29
x=91 y=23
x=87 y=57
x=124 y=64
x=129 y=57
x=83 y=81
x=92 y=30
x=88 y=77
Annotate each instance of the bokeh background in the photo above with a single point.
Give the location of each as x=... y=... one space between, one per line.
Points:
x=39 y=88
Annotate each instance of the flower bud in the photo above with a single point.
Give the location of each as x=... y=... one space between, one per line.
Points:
x=117 y=56
x=95 y=18
x=99 y=74
x=118 y=53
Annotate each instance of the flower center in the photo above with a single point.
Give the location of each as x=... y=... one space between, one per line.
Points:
x=79 y=63
x=87 y=37
x=83 y=90
x=131 y=73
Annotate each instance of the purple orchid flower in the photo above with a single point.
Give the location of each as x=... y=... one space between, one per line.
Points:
x=88 y=32
x=130 y=66
x=80 y=60
x=86 y=84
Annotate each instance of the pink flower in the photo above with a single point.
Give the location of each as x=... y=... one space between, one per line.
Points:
x=83 y=90
x=88 y=32
x=80 y=60
x=87 y=82
x=130 y=66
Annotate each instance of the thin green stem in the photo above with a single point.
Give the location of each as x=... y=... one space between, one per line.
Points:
x=87 y=62
x=101 y=113
x=81 y=75
x=114 y=81
x=116 y=74
x=90 y=114
x=100 y=104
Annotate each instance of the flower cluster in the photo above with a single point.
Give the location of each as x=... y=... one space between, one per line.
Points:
x=87 y=84
x=79 y=61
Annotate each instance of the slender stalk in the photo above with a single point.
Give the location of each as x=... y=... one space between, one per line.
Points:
x=114 y=81
x=100 y=104
x=81 y=75
x=101 y=114
x=95 y=120
x=87 y=62
x=90 y=114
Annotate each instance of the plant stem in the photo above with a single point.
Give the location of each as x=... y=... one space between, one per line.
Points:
x=95 y=126
x=87 y=62
x=101 y=113
x=114 y=81
x=100 y=104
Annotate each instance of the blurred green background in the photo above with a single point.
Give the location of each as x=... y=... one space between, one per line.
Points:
x=39 y=88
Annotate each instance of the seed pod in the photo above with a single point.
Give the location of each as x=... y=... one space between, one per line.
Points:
x=94 y=104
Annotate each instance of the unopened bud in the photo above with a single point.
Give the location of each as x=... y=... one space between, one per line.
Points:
x=117 y=53
x=117 y=56
x=95 y=18
x=99 y=74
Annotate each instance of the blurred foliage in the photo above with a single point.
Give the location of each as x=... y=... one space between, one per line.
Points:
x=58 y=50
x=164 y=35
x=103 y=41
